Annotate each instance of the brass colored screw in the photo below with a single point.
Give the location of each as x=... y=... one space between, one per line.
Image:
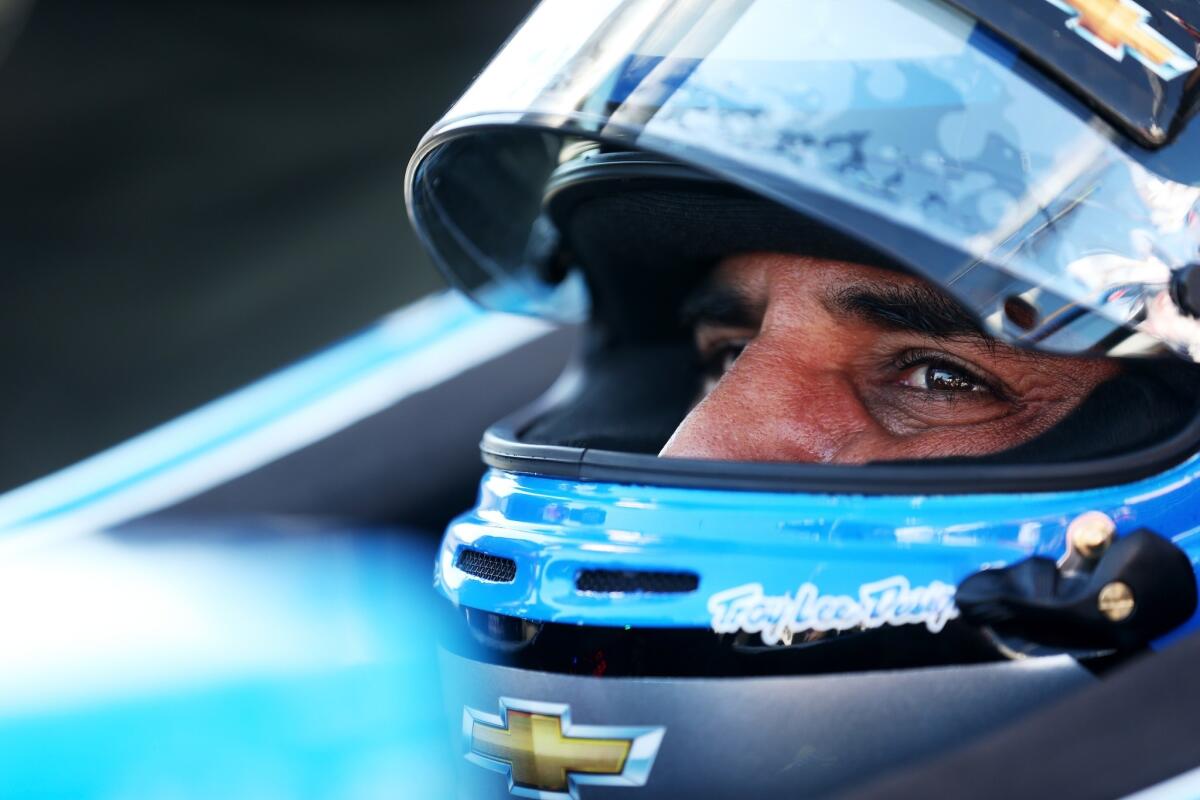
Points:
x=1116 y=601
x=1091 y=533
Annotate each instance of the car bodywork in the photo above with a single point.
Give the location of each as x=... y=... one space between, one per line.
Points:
x=237 y=603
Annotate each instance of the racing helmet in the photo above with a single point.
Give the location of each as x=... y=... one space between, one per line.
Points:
x=721 y=626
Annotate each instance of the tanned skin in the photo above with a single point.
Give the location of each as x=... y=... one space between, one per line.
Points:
x=821 y=361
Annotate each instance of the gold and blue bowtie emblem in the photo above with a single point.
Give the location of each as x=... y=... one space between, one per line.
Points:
x=546 y=756
x=1118 y=27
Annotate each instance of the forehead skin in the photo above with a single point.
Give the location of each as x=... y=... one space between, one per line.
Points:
x=821 y=378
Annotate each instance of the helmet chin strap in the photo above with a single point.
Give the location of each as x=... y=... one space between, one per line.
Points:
x=1136 y=589
x=1111 y=595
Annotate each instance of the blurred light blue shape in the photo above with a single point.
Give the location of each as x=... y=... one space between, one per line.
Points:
x=254 y=659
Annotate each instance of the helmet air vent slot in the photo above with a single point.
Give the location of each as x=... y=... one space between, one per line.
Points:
x=630 y=581
x=485 y=566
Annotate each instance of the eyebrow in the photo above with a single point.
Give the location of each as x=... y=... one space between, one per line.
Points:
x=719 y=304
x=912 y=308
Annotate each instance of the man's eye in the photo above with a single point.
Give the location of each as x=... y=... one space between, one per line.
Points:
x=719 y=359
x=941 y=378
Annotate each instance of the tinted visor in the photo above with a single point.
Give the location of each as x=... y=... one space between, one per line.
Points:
x=899 y=122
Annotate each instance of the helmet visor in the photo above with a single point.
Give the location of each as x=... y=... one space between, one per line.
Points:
x=900 y=122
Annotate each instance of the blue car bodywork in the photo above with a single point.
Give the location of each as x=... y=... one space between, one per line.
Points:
x=150 y=651
x=240 y=659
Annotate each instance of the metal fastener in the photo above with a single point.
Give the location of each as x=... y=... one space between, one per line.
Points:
x=1091 y=533
x=1116 y=601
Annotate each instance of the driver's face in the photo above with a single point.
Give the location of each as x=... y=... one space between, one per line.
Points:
x=822 y=361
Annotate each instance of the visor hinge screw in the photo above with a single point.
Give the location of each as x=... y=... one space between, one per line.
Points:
x=1115 y=601
x=1090 y=534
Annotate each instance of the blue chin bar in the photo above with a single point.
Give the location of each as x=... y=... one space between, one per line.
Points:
x=774 y=564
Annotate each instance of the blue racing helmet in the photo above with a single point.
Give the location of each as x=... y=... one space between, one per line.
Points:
x=733 y=626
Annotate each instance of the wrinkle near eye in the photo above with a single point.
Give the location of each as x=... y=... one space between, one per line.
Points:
x=879 y=373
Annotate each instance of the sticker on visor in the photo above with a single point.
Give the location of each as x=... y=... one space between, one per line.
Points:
x=777 y=618
x=1118 y=27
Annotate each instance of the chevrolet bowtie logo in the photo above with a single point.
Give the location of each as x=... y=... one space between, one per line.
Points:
x=1120 y=26
x=546 y=756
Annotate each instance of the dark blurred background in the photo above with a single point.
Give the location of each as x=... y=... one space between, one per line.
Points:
x=194 y=194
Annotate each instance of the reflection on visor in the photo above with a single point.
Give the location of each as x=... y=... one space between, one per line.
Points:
x=899 y=121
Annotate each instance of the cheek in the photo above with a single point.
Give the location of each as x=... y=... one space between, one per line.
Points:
x=772 y=406
x=879 y=444
x=905 y=412
x=972 y=439
x=947 y=443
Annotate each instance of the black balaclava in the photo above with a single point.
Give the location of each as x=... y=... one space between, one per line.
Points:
x=645 y=244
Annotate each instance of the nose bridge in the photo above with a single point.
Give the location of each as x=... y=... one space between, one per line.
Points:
x=769 y=407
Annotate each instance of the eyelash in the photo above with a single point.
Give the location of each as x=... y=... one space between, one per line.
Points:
x=713 y=363
x=915 y=358
x=716 y=362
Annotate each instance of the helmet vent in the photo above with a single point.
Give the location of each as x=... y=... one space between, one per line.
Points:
x=485 y=566
x=622 y=581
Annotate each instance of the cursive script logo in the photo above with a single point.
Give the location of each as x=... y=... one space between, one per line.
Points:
x=891 y=601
